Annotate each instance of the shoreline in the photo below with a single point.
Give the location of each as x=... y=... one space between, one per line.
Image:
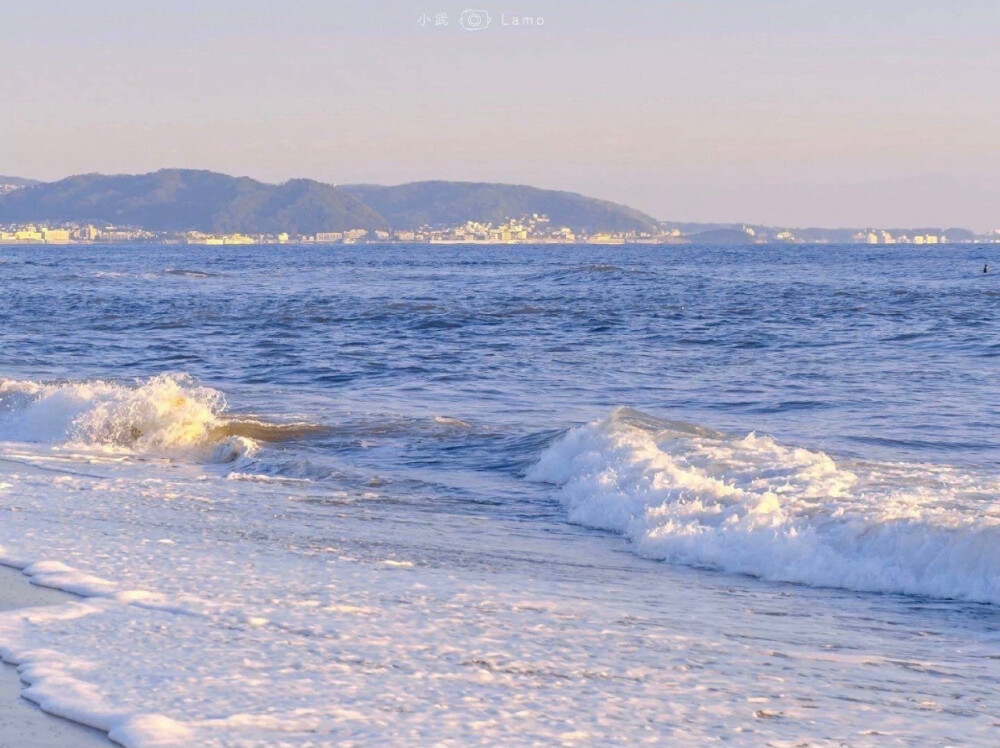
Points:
x=23 y=724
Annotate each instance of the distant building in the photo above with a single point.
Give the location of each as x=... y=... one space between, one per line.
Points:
x=605 y=239
x=28 y=234
x=55 y=236
x=85 y=234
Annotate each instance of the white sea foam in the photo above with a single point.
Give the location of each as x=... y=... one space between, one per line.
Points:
x=167 y=415
x=222 y=612
x=753 y=506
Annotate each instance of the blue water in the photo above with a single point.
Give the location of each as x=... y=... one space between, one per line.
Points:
x=885 y=353
x=425 y=406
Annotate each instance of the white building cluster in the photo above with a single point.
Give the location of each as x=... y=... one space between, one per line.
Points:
x=880 y=236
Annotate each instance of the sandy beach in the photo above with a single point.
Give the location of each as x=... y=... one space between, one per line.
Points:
x=22 y=723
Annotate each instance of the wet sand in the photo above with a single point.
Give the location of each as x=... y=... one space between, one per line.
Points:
x=22 y=723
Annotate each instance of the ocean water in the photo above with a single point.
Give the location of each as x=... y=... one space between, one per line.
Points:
x=477 y=495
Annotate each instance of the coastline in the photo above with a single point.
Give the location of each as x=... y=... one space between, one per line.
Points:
x=23 y=724
x=444 y=532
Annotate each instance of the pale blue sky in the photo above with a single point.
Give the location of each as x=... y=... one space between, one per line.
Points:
x=822 y=113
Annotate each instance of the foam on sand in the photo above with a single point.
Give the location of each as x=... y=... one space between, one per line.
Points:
x=23 y=724
x=221 y=613
x=750 y=505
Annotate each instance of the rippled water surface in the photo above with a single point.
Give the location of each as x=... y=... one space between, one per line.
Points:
x=701 y=482
x=878 y=352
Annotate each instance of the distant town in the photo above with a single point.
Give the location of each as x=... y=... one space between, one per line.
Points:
x=533 y=228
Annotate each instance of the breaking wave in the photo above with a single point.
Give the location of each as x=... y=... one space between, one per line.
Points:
x=169 y=415
x=693 y=496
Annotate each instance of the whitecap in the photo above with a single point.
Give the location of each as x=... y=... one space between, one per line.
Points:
x=754 y=506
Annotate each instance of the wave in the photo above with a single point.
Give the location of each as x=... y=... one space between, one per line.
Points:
x=155 y=275
x=573 y=272
x=750 y=505
x=266 y=431
x=186 y=273
x=169 y=415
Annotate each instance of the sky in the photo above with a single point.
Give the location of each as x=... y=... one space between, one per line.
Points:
x=806 y=113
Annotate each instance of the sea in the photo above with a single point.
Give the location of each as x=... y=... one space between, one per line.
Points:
x=506 y=495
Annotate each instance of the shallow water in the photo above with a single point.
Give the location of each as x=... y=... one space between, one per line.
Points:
x=397 y=476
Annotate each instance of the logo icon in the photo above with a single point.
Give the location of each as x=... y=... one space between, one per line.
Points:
x=474 y=20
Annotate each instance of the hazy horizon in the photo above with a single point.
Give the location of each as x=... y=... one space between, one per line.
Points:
x=826 y=114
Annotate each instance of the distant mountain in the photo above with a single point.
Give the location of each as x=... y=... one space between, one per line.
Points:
x=723 y=236
x=189 y=199
x=833 y=236
x=185 y=199
x=957 y=234
x=17 y=181
x=408 y=206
